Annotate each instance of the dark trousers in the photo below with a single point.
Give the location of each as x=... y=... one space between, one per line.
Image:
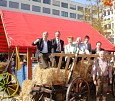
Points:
x=102 y=86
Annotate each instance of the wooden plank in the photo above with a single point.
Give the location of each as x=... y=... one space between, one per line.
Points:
x=66 y=67
x=59 y=66
x=9 y=55
x=29 y=63
x=80 y=55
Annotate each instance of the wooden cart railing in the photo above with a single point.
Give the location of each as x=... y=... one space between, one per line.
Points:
x=88 y=58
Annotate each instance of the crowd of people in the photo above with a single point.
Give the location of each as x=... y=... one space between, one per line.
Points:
x=101 y=70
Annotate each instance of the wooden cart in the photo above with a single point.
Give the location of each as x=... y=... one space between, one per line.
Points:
x=77 y=80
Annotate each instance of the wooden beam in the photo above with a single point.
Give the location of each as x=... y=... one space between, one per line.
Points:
x=9 y=56
x=29 y=63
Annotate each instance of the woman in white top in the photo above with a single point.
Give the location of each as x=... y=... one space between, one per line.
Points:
x=70 y=47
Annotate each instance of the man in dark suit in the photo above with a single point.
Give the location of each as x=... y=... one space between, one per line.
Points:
x=86 y=43
x=98 y=48
x=43 y=46
x=57 y=45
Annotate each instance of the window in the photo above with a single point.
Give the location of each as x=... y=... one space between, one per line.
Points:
x=79 y=16
x=73 y=15
x=37 y=0
x=3 y=3
x=112 y=25
x=73 y=7
x=36 y=8
x=56 y=3
x=47 y=1
x=108 y=12
x=104 y=13
x=46 y=10
x=108 y=26
x=13 y=4
x=63 y=13
x=55 y=12
x=112 y=11
x=79 y=8
x=64 y=5
x=25 y=6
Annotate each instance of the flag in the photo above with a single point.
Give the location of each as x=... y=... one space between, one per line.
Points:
x=18 y=59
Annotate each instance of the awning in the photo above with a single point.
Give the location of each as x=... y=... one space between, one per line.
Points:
x=21 y=29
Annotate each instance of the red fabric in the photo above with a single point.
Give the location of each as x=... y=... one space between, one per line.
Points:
x=22 y=29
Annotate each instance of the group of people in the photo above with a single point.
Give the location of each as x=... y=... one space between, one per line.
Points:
x=101 y=70
x=56 y=45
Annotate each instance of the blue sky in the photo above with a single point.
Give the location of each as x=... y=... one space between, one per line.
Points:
x=80 y=1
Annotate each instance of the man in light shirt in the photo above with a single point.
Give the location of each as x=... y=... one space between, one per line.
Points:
x=43 y=46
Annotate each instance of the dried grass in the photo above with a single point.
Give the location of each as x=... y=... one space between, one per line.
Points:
x=3 y=66
x=26 y=89
x=47 y=76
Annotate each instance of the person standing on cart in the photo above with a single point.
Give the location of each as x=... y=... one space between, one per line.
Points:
x=98 y=48
x=102 y=75
x=44 y=47
x=57 y=46
x=87 y=44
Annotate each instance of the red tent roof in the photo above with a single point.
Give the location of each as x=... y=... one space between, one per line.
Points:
x=21 y=29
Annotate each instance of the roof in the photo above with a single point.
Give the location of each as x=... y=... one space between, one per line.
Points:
x=21 y=29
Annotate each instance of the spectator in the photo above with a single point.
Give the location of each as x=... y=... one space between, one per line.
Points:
x=43 y=46
x=80 y=46
x=70 y=48
x=57 y=45
x=98 y=48
x=87 y=44
x=102 y=72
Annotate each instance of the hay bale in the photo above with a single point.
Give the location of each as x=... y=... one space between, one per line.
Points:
x=37 y=75
x=47 y=76
x=27 y=87
x=2 y=66
x=85 y=69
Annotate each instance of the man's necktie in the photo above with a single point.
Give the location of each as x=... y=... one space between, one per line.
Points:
x=58 y=46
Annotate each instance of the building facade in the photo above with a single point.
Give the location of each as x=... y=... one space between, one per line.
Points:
x=66 y=9
x=109 y=22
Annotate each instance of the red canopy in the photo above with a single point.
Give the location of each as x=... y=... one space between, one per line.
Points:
x=21 y=29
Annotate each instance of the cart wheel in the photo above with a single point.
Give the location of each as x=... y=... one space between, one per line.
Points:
x=8 y=84
x=113 y=85
x=78 y=90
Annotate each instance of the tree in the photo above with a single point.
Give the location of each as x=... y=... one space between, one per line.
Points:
x=94 y=14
